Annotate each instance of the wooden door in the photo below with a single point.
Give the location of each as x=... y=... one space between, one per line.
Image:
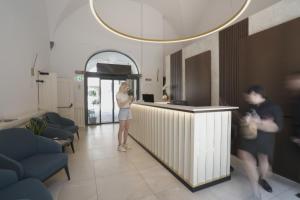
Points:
x=198 y=79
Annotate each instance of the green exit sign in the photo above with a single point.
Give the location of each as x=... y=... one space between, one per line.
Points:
x=79 y=77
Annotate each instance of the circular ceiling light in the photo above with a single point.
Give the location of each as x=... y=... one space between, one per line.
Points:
x=168 y=41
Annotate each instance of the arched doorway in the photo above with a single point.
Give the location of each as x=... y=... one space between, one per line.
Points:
x=104 y=73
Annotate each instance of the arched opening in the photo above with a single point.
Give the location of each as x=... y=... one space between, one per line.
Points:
x=104 y=72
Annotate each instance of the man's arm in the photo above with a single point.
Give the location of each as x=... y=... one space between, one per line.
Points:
x=268 y=125
x=273 y=124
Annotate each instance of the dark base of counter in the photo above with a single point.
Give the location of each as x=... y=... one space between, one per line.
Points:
x=192 y=189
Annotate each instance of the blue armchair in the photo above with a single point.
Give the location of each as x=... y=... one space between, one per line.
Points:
x=59 y=134
x=55 y=120
x=31 y=156
x=12 y=189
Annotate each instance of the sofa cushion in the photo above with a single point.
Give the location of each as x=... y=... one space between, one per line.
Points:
x=41 y=166
x=7 y=177
x=21 y=138
x=26 y=189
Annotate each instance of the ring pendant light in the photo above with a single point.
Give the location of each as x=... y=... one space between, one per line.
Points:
x=167 y=41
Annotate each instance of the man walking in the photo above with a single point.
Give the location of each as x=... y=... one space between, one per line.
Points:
x=265 y=119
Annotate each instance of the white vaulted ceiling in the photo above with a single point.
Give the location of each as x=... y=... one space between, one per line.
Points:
x=187 y=17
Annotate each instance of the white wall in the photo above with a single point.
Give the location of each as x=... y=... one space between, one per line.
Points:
x=79 y=36
x=279 y=13
x=24 y=32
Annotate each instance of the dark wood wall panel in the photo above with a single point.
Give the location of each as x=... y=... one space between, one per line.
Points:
x=198 y=79
x=266 y=58
x=229 y=61
x=176 y=76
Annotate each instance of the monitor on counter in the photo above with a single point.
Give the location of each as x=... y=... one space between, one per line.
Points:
x=148 y=98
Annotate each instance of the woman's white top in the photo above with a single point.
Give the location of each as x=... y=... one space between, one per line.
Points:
x=123 y=97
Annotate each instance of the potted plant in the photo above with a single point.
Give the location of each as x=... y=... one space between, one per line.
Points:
x=37 y=125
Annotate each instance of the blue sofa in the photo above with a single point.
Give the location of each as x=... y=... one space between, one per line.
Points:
x=31 y=156
x=56 y=121
x=30 y=189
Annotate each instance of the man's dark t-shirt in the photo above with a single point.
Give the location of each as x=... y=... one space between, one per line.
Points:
x=264 y=143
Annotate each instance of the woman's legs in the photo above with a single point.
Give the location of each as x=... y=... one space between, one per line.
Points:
x=126 y=129
x=122 y=124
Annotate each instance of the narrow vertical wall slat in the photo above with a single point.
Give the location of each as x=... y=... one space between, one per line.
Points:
x=176 y=141
x=171 y=139
x=217 y=146
x=201 y=131
x=229 y=40
x=210 y=145
x=181 y=133
x=224 y=143
x=187 y=145
x=166 y=144
x=228 y=143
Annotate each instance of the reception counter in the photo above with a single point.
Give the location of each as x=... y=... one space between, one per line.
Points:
x=193 y=143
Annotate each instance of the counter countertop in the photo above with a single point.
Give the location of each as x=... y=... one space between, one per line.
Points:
x=188 y=108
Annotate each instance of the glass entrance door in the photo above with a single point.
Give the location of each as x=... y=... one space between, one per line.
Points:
x=93 y=100
x=109 y=106
x=117 y=84
x=107 y=101
x=102 y=107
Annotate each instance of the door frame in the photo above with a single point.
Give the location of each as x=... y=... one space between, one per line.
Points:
x=106 y=77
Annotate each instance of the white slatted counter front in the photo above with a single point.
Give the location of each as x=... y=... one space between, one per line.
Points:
x=192 y=142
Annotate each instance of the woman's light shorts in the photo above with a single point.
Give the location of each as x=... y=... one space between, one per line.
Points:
x=125 y=114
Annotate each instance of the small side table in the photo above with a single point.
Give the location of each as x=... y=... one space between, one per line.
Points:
x=65 y=143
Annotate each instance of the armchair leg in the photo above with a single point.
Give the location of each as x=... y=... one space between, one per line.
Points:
x=72 y=146
x=67 y=172
x=63 y=149
x=77 y=132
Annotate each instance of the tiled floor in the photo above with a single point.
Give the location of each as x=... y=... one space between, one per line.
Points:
x=99 y=172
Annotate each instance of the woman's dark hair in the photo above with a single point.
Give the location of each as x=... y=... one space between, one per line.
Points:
x=257 y=89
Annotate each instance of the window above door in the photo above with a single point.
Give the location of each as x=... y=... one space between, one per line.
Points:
x=113 y=58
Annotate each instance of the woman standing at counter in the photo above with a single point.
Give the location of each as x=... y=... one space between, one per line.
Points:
x=124 y=101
